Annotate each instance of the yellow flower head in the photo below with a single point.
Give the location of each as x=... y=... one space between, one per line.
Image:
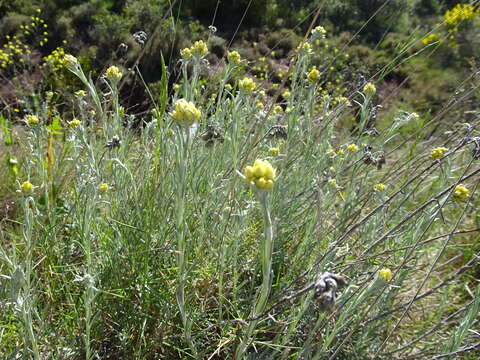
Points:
x=176 y=87
x=379 y=187
x=286 y=94
x=26 y=187
x=261 y=174
x=259 y=105
x=385 y=274
x=247 y=85
x=314 y=75
x=70 y=61
x=113 y=74
x=460 y=193
x=74 y=123
x=352 y=147
x=199 y=49
x=369 y=89
x=274 y=151
x=103 y=187
x=186 y=53
x=234 y=58
x=277 y=110
x=32 y=120
x=305 y=48
x=319 y=32
x=332 y=182
x=185 y=113
x=80 y=93
x=438 y=152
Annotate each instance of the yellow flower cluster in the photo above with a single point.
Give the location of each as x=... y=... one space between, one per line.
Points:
x=247 y=85
x=369 y=89
x=352 y=148
x=261 y=174
x=319 y=32
x=56 y=59
x=103 y=187
x=458 y=14
x=274 y=151
x=113 y=74
x=313 y=75
x=277 y=110
x=12 y=52
x=70 y=61
x=185 y=112
x=197 y=50
x=234 y=57
x=32 y=120
x=74 y=123
x=286 y=94
x=438 y=152
x=379 y=187
x=305 y=48
x=433 y=37
x=26 y=187
x=460 y=193
x=385 y=274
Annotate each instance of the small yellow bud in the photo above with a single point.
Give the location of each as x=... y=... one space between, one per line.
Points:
x=352 y=148
x=313 y=76
x=274 y=151
x=385 y=274
x=247 y=85
x=26 y=187
x=113 y=74
x=369 y=89
x=103 y=187
x=438 y=152
x=460 y=193
x=379 y=187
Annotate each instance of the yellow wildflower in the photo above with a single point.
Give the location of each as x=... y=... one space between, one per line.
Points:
x=199 y=49
x=274 y=151
x=186 y=53
x=277 y=110
x=259 y=105
x=26 y=187
x=80 y=93
x=234 y=57
x=74 y=123
x=460 y=193
x=185 y=112
x=379 y=187
x=385 y=274
x=369 y=89
x=261 y=174
x=103 y=187
x=438 y=152
x=113 y=74
x=70 y=61
x=352 y=148
x=32 y=120
x=314 y=75
x=286 y=94
x=332 y=182
x=247 y=85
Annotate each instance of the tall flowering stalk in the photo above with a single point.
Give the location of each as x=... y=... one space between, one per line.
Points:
x=262 y=177
x=185 y=114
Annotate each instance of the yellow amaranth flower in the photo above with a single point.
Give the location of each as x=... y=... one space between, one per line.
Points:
x=199 y=48
x=26 y=187
x=113 y=73
x=352 y=148
x=369 y=89
x=247 y=85
x=261 y=174
x=274 y=151
x=103 y=187
x=70 y=61
x=379 y=187
x=234 y=57
x=186 y=53
x=32 y=120
x=185 y=112
x=385 y=274
x=460 y=193
x=438 y=152
x=314 y=75
x=74 y=123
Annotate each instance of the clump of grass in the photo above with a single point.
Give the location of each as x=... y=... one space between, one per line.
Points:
x=142 y=243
